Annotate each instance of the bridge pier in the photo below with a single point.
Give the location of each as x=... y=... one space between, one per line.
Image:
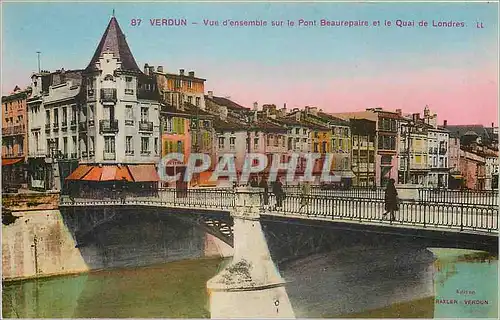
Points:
x=250 y=286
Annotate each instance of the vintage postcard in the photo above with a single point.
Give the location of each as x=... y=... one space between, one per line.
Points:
x=250 y=159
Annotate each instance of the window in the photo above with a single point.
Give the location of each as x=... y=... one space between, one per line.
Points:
x=47 y=116
x=190 y=84
x=65 y=116
x=179 y=147
x=221 y=142
x=129 y=149
x=190 y=100
x=144 y=145
x=144 y=114
x=178 y=83
x=315 y=147
x=304 y=131
x=198 y=101
x=232 y=142
x=73 y=114
x=269 y=137
x=127 y=79
x=168 y=124
x=65 y=146
x=323 y=147
x=109 y=144
x=256 y=143
x=290 y=146
x=129 y=112
x=386 y=142
x=156 y=145
x=73 y=144
x=297 y=131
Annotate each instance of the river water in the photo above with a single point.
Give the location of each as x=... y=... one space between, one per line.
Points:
x=355 y=282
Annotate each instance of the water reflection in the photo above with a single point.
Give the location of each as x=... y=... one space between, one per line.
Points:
x=358 y=279
x=466 y=284
x=394 y=281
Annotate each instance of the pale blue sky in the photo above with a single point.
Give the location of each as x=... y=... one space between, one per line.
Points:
x=68 y=33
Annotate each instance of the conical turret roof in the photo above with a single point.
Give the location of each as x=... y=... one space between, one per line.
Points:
x=113 y=40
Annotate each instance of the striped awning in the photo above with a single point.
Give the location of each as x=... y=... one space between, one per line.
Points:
x=11 y=161
x=129 y=173
x=79 y=172
x=144 y=173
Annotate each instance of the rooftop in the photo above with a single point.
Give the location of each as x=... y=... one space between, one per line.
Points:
x=113 y=40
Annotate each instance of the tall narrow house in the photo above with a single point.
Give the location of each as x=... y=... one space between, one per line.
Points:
x=119 y=117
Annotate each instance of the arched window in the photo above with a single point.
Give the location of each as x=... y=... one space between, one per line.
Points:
x=108 y=78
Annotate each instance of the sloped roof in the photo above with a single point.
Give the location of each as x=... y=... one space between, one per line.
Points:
x=333 y=120
x=226 y=103
x=462 y=130
x=113 y=40
x=229 y=124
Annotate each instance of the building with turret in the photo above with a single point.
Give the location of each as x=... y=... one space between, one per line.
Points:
x=119 y=126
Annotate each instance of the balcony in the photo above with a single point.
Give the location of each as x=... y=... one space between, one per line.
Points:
x=64 y=126
x=55 y=127
x=15 y=130
x=82 y=126
x=91 y=122
x=442 y=150
x=91 y=153
x=109 y=155
x=129 y=122
x=129 y=91
x=108 y=95
x=146 y=126
x=90 y=93
x=47 y=127
x=74 y=155
x=129 y=152
x=145 y=153
x=84 y=154
x=108 y=126
x=73 y=124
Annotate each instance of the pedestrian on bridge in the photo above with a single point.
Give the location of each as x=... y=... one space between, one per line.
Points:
x=278 y=193
x=304 y=196
x=391 y=199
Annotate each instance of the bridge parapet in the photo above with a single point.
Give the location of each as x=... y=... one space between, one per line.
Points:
x=247 y=203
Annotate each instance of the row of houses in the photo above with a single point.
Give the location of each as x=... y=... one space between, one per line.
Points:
x=110 y=124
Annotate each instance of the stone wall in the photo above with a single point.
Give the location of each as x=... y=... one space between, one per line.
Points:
x=43 y=241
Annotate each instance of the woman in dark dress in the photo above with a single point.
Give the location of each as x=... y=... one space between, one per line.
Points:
x=391 y=199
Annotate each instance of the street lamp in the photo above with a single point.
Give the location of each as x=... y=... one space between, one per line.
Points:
x=407 y=135
x=52 y=147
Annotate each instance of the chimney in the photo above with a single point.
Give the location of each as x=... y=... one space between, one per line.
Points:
x=146 y=69
x=210 y=94
x=191 y=74
x=492 y=125
x=445 y=123
x=255 y=106
x=284 y=106
x=297 y=115
x=399 y=112
x=159 y=69
x=151 y=70
x=181 y=72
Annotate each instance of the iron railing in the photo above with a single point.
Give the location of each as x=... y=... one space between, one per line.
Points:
x=108 y=126
x=108 y=94
x=462 y=217
x=419 y=214
x=471 y=197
